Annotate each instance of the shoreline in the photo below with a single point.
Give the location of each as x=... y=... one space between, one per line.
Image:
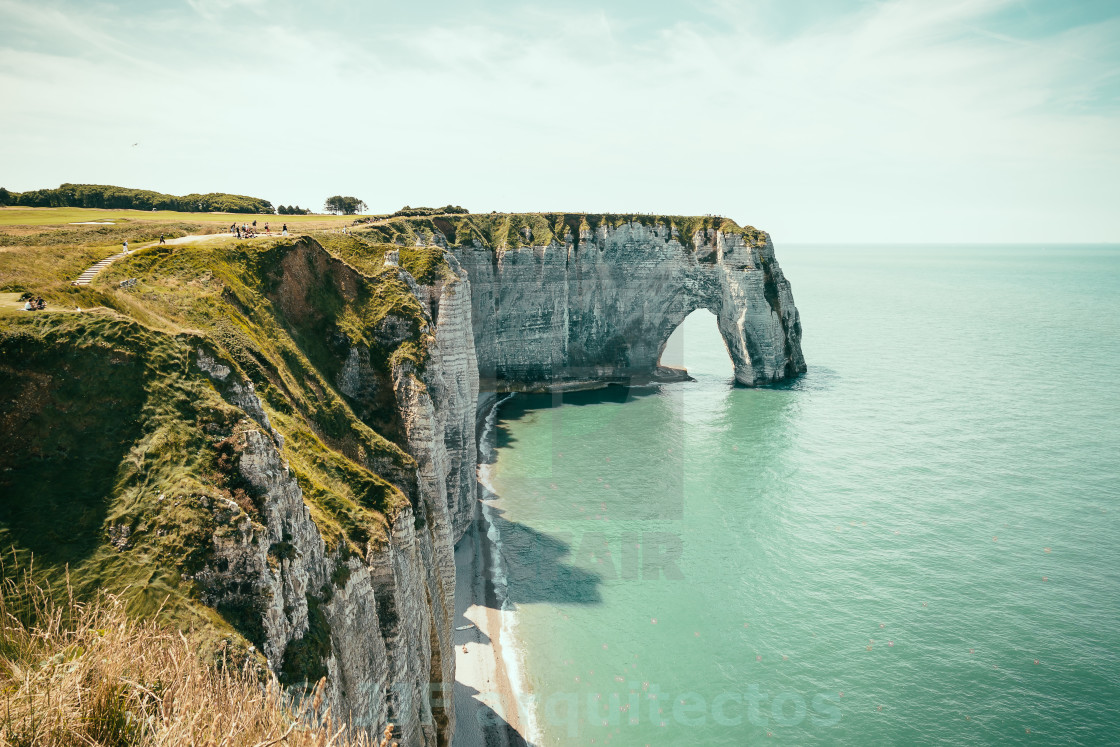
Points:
x=487 y=710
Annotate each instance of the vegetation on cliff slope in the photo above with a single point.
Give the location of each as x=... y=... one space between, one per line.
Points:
x=513 y=230
x=117 y=448
x=106 y=447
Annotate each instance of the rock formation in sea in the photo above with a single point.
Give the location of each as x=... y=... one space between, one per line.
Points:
x=599 y=305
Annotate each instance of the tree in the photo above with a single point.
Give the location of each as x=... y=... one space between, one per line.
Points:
x=344 y=205
x=5 y=196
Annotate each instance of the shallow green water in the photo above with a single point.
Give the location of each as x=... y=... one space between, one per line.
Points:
x=879 y=553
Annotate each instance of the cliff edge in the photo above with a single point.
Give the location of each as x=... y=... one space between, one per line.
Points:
x=274 y=441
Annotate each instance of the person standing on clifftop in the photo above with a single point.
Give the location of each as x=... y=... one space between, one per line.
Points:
x=126 y=246
x=285 y=229
x=161 y=239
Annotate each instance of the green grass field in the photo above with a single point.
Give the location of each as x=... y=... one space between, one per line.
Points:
x=25 y=216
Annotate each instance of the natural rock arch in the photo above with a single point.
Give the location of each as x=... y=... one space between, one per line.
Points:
x=603 y=307
x=682 y=354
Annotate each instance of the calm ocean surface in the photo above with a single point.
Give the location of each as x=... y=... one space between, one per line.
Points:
x=918 y=542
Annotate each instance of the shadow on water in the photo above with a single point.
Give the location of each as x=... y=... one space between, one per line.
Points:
x=547 y=567
x=538 y=568
x=522 y=405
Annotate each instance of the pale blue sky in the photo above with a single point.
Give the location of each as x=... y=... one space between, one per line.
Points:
x=896 y=120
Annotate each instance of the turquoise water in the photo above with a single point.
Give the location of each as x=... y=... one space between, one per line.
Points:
x=916 y=543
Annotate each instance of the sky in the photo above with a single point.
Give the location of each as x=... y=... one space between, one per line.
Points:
x=817 y=120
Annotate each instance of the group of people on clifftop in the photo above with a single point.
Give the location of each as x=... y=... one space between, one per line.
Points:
x=35 y=303
x=247 y=231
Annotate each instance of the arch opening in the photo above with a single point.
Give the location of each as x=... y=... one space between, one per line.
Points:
x=698 y=346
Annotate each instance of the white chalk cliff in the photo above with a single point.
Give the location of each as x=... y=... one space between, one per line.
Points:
x=600 y=306
x=595 y=306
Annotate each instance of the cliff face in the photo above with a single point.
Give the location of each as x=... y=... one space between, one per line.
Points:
x=597 y=306
x=329 y=465
x=378 y=627
x=364 y=623
x=601 y=305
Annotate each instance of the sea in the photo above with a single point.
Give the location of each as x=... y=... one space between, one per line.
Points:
x=917 y=542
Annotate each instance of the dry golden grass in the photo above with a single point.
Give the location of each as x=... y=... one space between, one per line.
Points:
x=87 y=674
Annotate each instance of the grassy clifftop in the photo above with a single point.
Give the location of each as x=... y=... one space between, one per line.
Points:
x=512 y=230
x=116 y=446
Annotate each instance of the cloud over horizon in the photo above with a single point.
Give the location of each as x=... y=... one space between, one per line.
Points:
x=987 y=120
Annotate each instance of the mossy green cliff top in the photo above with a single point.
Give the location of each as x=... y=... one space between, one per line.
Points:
x=512 y=230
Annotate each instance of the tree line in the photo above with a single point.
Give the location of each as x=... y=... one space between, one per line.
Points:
x=413 y=212
x=123 y=198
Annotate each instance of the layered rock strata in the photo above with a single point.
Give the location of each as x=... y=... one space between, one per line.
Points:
x=387 y=616
x=601 y=305
x=594 y=308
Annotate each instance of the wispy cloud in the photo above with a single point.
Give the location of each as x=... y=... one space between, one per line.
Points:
x=891 y=119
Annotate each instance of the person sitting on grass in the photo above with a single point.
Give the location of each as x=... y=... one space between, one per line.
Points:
x=40 y=304
x=27 y=306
